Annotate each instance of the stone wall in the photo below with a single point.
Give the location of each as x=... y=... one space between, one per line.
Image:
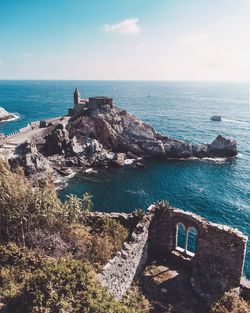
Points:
x=118 y=274
x=215 y=267
x=25 y=129
x=220 y=250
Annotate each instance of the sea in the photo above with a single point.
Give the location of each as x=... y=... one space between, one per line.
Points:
x=217 y=189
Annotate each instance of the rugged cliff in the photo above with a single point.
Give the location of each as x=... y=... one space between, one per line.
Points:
x=119 y=131
x=109 y=137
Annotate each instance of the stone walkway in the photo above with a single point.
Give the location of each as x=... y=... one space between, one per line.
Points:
x=22 y=137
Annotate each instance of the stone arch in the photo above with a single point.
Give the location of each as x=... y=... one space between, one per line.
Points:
x=186 y=239
x=180 y=236
x=191 y=240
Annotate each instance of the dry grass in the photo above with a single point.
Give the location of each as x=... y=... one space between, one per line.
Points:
x=231 y=302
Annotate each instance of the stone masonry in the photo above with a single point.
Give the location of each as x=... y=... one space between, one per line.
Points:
x=220 y=250
x=216 y=266
x=118 y=274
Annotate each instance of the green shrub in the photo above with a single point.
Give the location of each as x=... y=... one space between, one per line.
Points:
x=65 y=286
x=97 y=245
x=110 y=228
x=25 y=207
x=30 y=281
x=16 y=267
x=74 y=207
x=139 y=213
x=12 y=255
x=30 y=284
x=86 y=246
x=161 y=206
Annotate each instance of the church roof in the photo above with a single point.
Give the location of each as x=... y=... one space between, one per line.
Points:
x=100 y=98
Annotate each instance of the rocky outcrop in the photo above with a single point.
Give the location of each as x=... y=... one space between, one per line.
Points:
x=222 y=147
x=109 y=138
x=120 y=131
x=5 y=116
x=33 y=162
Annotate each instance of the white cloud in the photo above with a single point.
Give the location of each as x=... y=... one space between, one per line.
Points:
x=27 y=55
x=141 y=45
x=128 y=26
x=196 y=38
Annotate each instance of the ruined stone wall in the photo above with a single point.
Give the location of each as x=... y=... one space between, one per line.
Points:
x=220 y=250
x=215 y=268
x=118 y=274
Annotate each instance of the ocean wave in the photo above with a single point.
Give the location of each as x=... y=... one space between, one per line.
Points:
x=240 y=155
x=5 y=114
x=236 y=122
x=140 y=192
x=215 y=160
x=16 y=116
x=62 y=182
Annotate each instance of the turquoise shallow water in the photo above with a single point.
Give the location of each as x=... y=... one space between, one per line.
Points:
x=218 y=190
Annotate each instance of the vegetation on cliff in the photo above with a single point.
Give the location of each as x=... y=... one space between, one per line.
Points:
x=31 y=283
x=34 y=217
x=50 y=251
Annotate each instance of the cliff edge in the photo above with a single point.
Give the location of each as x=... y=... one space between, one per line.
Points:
x=107 y=137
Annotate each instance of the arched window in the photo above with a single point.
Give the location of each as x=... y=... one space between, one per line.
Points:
x=191 y=240
x=186 y=239
x=180 y=237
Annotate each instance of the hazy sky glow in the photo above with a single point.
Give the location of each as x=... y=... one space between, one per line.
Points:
x=125 y=39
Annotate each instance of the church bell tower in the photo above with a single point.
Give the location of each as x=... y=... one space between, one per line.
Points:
x=77 y=96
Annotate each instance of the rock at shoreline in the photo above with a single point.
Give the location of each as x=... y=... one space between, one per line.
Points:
x=110 y=138
x=5 y=116
x=120 y=131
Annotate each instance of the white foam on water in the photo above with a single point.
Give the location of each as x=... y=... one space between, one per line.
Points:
x=4 y=113
x=215 y=160
x=61 y=182
x=236 y=122
x=137 y=192
x=15 y=117
x=129 y=161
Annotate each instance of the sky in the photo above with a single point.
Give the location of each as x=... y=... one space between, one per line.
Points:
x=125 y=39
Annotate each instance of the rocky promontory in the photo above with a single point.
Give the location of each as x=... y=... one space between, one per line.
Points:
x=119 y=131
x=106 y=137
x=5 y=116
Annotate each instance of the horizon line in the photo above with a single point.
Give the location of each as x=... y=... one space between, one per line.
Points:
x=128 y=80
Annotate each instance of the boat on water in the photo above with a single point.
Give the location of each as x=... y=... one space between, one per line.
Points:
x=216 y=118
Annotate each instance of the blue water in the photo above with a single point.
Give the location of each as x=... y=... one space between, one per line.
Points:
x=219 y=191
